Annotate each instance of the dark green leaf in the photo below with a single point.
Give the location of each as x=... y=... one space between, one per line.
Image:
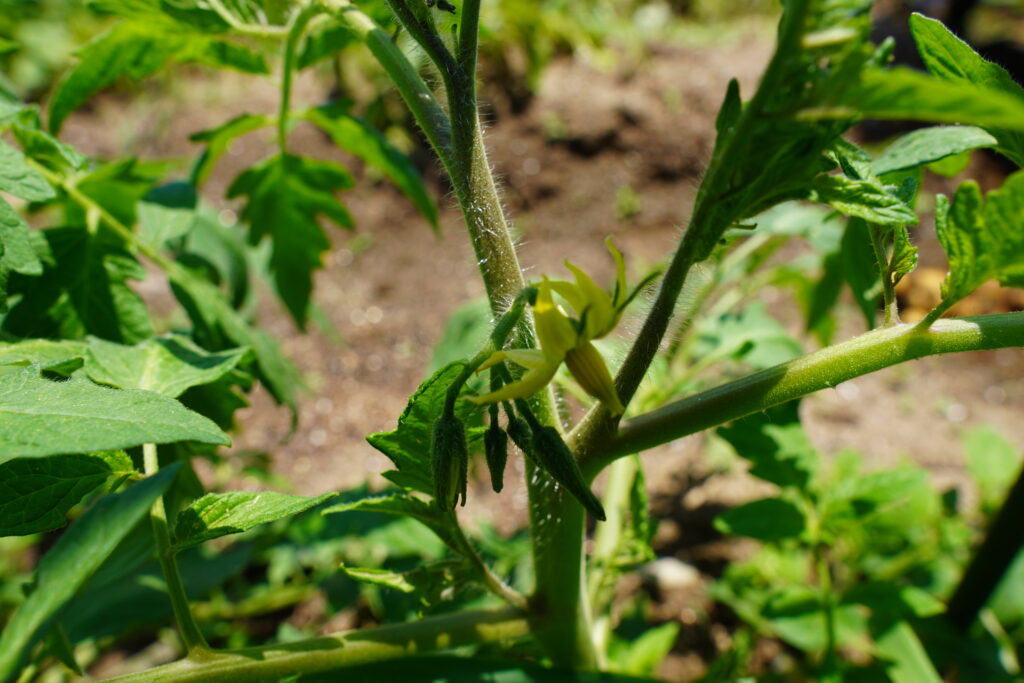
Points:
x=20 y=179
x=127 y=49
x=218 y=139
x=167 y=213
x=222 y=54
x=861 y=268
x=83 y=290
x=36 y=493
x=929 y=145
x=732 y=107
x=408 y=445
x=168 y=365
x=39 y=417
x=220 y=252
x=322 y=44
x=119 y=187
x=358 y=138
x=862 y=199
x=775 y=442
x=768 y=519
x=219 y=325
x=951 y=59
x=286 y=194
x=220 y=514
x=72 y=560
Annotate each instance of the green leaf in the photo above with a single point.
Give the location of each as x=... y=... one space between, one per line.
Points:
x=220 y=514
x=408 y=445
x=127 y=49
x=795 y=614
x=404 y=506
x=732 y=107
x=83 y=290
x=219 y=139
x=320 y=45
x=643 y=656
x=768 y=519
x=901 y=93
x=775 y=442
x=904 y=255
x=359 y=139
x=929 y=145
x=167 y=213
x=982 y=242
x=751 y=336
x=20 y=179
x=993 y=463
x=48 y=150
x=432 y=582
x=119 y=186
x=64 y=356
x=861 y=268
x=16 y=252
x=862 y=199
x=168 y=365
x=379 y=577
x=72 y=560
x=286 y=194
x=226 y=55
x=39 y=417
x=36 y=493
x=219 y=325
x=951 y=59
x=907 y=658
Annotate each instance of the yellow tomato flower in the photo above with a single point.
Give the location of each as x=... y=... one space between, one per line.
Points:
x=563 y=338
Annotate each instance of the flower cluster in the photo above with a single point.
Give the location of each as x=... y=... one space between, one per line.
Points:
x=566 y=338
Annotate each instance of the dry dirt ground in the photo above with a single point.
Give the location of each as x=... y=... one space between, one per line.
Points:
x=564 y=163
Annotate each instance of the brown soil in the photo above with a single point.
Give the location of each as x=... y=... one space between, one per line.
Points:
x=565 y=162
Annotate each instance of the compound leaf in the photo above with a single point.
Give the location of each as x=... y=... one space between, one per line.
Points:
x=36 y=493
x=72 y=560
x=220 y=514
x=39 y=417
x=168 y=365
x=286 y=194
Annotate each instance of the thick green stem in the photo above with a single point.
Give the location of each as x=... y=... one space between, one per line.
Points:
x=275 y=662
x=802 y=376
x=188 y=629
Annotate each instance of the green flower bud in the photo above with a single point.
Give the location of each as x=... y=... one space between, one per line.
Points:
x=449 y=457
x=519 y=432
x=496 y=450
x=554 y=456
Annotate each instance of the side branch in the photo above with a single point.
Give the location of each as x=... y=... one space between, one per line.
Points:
x=328 y=653
x=825 y=368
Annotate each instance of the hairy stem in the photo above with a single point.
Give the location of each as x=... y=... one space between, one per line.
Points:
x=337 y=651
x=805 y=375
x=188 y=629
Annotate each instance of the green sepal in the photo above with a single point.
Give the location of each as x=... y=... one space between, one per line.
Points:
x=550 y=452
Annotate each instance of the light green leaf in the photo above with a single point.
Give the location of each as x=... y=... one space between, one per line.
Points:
x=62 y=356
x=127 y=49
x=951 y=59
x=909 y=662
x=220 y=514
x=36 y=493
x=72 y=560
x=864 y=199
x=904 y=254
x=993 y=463
x=168 y=365
x=404 y=506
x=48 y=150
x=902 y=93
x=226 y=55
x=358 y=138
x=768 y=519
x=379 y=577
x=929 y=145
x=983 y=241
x=286 y=195
x=167 y=213
x=39 y=417
x=775 y=442
x=20 y=179
x=643 y=656
x=218 y=139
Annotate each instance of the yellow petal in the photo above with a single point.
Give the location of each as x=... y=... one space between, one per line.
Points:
x=532 y=382
x=598 y=312
x=588 y=367
x=554 y=331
